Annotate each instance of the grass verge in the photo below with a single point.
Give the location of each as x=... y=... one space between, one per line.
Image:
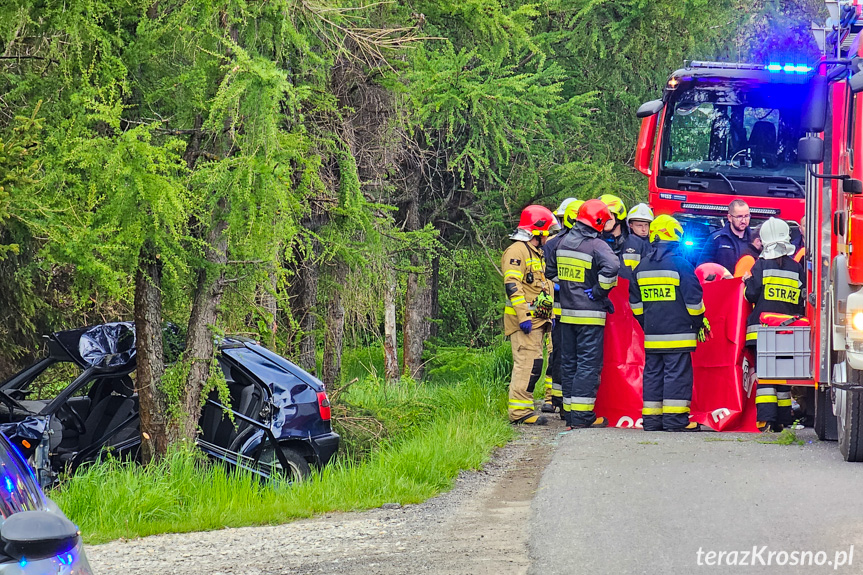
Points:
x=435 y=432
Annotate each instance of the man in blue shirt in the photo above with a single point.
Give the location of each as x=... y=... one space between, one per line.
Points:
x=726 y=246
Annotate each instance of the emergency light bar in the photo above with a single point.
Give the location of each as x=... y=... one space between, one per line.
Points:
x=788 y=67
x=724 y=208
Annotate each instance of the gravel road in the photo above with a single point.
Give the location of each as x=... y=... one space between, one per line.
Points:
x=478 y=528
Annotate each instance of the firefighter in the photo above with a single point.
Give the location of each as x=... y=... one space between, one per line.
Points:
x=666 y=299
x=617 y=234
x=566 y=214
x=775 y=285
x=586 y=269
x=529 y=308
x=637 y=245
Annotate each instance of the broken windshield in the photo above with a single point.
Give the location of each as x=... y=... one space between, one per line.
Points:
x=742 y=130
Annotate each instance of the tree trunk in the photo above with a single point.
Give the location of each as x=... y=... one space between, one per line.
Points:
x=150 y=359
x=205 y=311
x=270 y=304
x=417 y=307
x=391 y=342
x=335 y=327
x=308 y=301
x=434 y=306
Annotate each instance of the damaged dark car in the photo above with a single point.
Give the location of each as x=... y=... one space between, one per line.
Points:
x=277 y=422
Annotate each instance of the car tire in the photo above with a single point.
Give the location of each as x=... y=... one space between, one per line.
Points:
x=825 y=422
x=849 y=416
x=298 y=467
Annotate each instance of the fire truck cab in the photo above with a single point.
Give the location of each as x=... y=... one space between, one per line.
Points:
x=723 y=131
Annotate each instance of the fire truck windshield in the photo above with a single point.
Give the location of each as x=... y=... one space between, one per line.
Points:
x=734 y=134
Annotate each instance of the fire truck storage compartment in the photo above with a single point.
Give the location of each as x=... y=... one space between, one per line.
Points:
x=783 y=353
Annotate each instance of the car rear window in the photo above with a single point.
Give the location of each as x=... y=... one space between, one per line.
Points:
x=19 y=490
x=268 y=368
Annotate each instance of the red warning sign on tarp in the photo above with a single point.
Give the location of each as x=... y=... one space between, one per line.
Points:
x=721 y=396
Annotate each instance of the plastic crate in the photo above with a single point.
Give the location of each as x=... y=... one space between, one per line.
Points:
x=783 y=353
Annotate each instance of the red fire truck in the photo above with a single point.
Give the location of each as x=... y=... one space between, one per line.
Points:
x=785 y=137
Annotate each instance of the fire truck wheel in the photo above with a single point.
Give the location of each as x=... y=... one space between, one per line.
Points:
x=825 y=422
x=849 y=418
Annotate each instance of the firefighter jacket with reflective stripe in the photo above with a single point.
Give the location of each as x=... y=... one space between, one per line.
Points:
x=776 y=286
x=635 y=249
x=583 y=261
x=548 y=249
x=666 y=299
x=523 y=268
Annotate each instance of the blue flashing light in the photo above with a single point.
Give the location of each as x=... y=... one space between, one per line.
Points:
x=10 y=485
x=774 y=67
x=789 y=68
x=689 y=243
x=66 y=558
x=23 y=562
x=803 y=69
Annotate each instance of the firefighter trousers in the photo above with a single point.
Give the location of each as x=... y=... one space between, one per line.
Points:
x=526 y=370
x=772 y=401
x=667 y=391
x=553 y=372
x=580 y=367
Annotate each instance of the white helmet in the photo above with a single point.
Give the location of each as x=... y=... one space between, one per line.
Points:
x=641 y=212
x=562 y=208
x=776 y=239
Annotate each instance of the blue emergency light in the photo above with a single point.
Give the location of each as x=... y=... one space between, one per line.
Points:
x=789 y=68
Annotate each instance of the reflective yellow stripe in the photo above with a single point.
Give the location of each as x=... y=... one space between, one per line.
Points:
x=582 y=320
x=782 y=282
x=509 y=310
x=766 y=399
x=651 y=411
x=519 y=299
x=606 y=286
x=514 y=273
x=637 y=308
x=752 y=336
x=675 y=409
x=669 y=344
x=556 y=392
x=658 y=281
x=696 y=309
x=784 y=403
x=574 y=262
x=581 y=407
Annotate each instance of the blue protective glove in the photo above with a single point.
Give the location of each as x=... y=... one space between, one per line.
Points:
x=526 y=326
x=589 y=293
x=556 y=287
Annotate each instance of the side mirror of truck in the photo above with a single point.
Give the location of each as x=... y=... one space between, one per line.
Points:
x=650 y=108
x=852 y=186
x=814 y=116
x=856 y=83
x=810 y=150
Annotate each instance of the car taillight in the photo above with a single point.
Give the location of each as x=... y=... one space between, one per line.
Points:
x=324 y=405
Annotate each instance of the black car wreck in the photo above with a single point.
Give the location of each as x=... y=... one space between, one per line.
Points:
x=280 y=413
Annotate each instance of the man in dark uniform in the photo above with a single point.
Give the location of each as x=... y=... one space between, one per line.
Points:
x=666 y=299
x=726 y=246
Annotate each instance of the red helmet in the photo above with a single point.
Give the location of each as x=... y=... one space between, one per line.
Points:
x=594 y=214
x=538 y=220
x=711 y=272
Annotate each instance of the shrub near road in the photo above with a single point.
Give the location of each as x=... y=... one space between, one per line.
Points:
x=427 y=434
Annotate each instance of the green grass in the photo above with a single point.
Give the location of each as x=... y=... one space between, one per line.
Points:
x=431 y=433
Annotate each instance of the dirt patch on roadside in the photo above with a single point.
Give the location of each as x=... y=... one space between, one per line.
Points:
x=478 y=528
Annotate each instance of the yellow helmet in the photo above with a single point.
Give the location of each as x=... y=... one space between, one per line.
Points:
x=571 y=213
x=665 y=228
x=615 y=206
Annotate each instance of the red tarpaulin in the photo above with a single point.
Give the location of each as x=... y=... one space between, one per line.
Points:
x=719 y=399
